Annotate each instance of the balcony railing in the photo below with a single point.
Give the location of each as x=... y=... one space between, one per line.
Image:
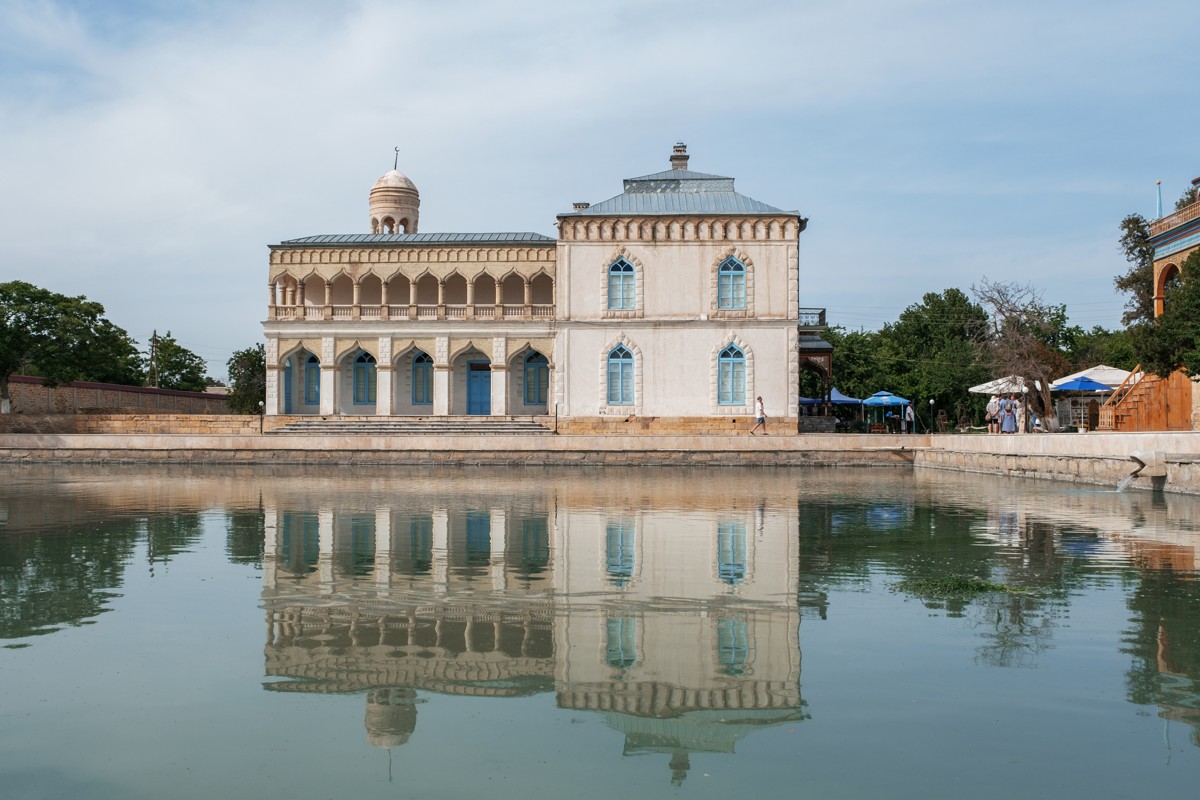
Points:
x=1174 y=220
x=399 y=312
x=811 y=318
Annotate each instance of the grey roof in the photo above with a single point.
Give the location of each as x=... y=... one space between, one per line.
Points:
x=336 y=239
x=678 y=191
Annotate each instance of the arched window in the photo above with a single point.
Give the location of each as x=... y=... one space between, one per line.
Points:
x=731 y=552
x=731 y=284
x=619 y=552
x=620 y=377
x=312 y=381
x=364 y=379
x=731 y=376
x=620 y=650
x=733 y=645
x=537 y=379
x=622 y=281
x=422 y=380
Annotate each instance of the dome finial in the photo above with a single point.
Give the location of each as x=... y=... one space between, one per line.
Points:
x=396 y=160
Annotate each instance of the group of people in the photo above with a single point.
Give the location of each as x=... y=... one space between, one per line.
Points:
x=1002 y=414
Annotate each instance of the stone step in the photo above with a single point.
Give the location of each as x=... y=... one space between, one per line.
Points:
x=422 y=426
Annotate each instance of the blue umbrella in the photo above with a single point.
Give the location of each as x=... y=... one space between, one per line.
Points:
x=885 y=399
x=1082 y=384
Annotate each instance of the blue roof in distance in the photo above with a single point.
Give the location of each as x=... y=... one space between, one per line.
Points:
x=394 y=239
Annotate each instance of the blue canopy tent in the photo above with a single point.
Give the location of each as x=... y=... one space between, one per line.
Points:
x=839 y=399
x=1081 y=384
x=881 y=400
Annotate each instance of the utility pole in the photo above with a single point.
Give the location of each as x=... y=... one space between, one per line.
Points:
x=154 y=358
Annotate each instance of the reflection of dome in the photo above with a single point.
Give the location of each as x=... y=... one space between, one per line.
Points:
x=391 y=716
x=395 y=204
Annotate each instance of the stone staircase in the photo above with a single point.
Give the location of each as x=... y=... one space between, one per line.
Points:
x=414 y=426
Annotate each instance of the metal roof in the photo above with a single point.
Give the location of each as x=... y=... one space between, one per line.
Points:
x=678 y=191
x=335 y=239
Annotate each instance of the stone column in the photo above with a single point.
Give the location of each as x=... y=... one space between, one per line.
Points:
x=498 y=539
x=528 y=310
x=385 y=372
x=328 y=375
x=270 y=547
x=499 y=376
x=385 y=311
x=325 y=550
x=412 y=299
x=383 y=547
x=471 y=300
x=441 y=376
x=356 y=303
x=273 y=402
x=328 y=306
x=271 y=291
x=441 y=549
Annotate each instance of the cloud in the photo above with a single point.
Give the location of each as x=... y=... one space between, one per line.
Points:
x=150 y=152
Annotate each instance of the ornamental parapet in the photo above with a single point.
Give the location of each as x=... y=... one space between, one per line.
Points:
x=780 y=228
x=1164 y=224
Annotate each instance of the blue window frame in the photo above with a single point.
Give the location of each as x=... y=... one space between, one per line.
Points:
x=619 y=552
x=620 y=649
x=364 y=379
x=422 y=380
x=731 y=552
x=620 y=376
x=622 y=283
x=537 y=379
x=312 y=381
x=731 y=284
x=731 y=376
x=733 y=645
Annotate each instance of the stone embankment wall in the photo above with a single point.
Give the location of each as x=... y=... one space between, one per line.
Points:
x=194 y=424
x=1093 y=458
x=30 y=395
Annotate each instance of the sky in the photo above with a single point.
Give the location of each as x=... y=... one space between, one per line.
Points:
x=150 y=151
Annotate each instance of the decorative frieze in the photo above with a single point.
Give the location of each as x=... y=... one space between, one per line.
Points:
x=680 y=229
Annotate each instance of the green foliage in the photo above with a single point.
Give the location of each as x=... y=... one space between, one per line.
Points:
x=931 y=351
x=247 y=378
x=1186 y=199
x=856 y=363
x=174 y=366
x=949 y=586
x=1172 y=341
x=61 y=339
x=1138 y=281
x=1099 y=346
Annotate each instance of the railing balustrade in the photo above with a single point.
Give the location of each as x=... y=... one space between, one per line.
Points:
x=342 y=312
x=485 y=312
x=370 y=312
x=456 y=312
x=543 y=311
x=427 y=312
x=314 y=312
x=514 y=311
x=811 y=318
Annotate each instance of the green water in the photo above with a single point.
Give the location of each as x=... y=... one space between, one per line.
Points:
x=408 y=633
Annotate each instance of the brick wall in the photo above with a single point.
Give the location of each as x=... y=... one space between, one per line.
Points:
x=673 y=426
x=31 y=396
x=192 y=424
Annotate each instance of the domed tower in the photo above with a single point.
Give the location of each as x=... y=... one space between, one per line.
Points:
x=395 y=204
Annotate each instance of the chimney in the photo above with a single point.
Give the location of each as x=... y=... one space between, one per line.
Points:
x=679 y=156
x=581 y=206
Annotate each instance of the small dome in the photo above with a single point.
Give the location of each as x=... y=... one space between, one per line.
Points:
x=393 y=179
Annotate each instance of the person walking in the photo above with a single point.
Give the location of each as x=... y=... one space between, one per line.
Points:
x=760 y=415
x=910 y=421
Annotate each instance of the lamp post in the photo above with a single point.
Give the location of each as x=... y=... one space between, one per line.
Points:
x=1024 y=409
x=261 y=410
x=930 y=415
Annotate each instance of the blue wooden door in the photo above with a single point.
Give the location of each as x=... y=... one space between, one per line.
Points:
x=479 y=388
x=287 y=387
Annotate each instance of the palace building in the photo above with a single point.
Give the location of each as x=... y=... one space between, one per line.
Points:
x=676 y=299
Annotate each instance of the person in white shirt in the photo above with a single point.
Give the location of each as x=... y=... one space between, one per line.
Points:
x=761 y=417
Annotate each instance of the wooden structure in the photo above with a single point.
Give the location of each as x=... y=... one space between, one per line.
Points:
x=1149 y=404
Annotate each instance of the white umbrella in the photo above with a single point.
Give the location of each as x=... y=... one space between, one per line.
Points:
x=1013 y=384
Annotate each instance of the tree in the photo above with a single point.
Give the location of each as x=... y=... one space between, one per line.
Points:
x=1138 y=281
x=1026 y=339
x=60 y=338
x=931 y=351
x=1172 y=341
x=1186 y=199
x=173 y=366
x=1100 y=346
x=248 y=379
x=856 y=365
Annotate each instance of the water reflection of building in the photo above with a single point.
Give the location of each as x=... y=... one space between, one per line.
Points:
x=680 y=627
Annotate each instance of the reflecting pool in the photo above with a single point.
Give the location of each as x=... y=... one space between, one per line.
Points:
x=514 y=633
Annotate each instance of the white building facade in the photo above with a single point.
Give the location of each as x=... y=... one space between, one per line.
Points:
x=676 y=299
